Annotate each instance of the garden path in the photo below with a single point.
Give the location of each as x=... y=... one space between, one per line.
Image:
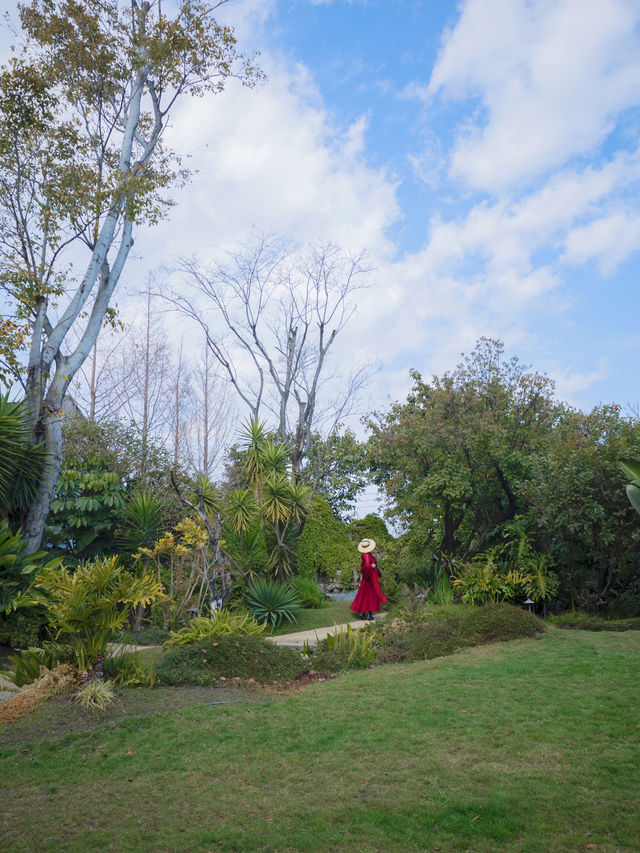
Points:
x=297 y=639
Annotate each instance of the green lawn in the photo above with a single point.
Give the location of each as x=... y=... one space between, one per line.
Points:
x=331 y=613
x=530 y=746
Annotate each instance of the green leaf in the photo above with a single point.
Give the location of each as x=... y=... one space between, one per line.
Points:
x=633 y=493
x=631 y=468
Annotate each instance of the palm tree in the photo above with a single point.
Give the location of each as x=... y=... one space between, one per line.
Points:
x=21 y=463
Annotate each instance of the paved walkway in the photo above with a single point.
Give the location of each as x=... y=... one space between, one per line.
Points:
x=297 y=639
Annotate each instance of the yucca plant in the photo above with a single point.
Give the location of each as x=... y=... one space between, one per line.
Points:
x=223 y=623
x=91 y=603
x=272 y=603
x=143 y=523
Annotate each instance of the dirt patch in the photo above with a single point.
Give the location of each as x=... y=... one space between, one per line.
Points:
x=60 y=715
x=310 y=676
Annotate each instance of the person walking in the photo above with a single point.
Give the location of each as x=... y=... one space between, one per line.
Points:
x=369 y=597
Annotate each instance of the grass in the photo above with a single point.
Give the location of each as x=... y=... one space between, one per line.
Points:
x=331 y=613
x=530 y=746
x=588 y=622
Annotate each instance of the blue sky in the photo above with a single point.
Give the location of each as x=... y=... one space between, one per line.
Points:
x=506 y=135
x=484 y=152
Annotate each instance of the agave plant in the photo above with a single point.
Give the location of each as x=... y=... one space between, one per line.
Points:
x=272 y=602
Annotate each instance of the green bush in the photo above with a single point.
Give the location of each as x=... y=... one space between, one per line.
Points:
x=205 y=663
x=309 y=593
x=22 y=628
x=442 y=629
x=271 y=602
x=587 y=622
x=350 y=649
x=324 y=547
x=127 y=669
x=224 y=623
x=26 y=665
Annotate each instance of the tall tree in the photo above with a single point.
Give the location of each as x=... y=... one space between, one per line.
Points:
x=454 y=459
x=82 y=113
x=281 y=311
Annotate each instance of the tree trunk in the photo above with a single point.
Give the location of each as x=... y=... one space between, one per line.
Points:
x=33 y=529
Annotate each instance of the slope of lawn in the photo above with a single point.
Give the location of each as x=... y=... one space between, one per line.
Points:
x=331 y=613
x=530 y=746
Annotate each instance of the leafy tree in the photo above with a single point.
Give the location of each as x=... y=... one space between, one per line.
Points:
x=336 y=468
x=581 y=512
x=82 y=114
x=454 y=459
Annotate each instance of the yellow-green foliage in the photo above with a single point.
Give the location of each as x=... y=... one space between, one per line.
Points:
x=324 y=547
x=96 y=695
x=223 y=623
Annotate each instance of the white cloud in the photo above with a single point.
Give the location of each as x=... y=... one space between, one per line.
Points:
x=550 y=77
x=274 y=157
x=609 y=240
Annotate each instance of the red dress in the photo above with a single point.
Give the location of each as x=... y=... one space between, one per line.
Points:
x=369 y=597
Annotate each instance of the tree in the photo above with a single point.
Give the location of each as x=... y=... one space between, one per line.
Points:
x=336 y=469
x=454 y=459
x=282 y=311
x=82 y=113
x=579 y=508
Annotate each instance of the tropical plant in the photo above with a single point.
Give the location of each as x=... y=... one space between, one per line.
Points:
x=85 y=511
x=354 y=645
x=127 y=669
x=28 y=665
x=17 y=570
x=631 y=468
x=441 y=591
x=88 y=605
x=21 y=461
x=271 y=602
x=96 y=695
x=142 y=523
x=223 y=623
x=309 y=593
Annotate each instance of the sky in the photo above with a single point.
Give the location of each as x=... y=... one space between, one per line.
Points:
x=485 y=153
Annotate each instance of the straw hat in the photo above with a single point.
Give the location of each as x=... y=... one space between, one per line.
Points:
x=366 y=546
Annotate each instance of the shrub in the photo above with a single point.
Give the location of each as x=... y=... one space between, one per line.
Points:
x=224 y=623
x=228 y=657
x=96 y=695
x=309 y=593
x=349 y=649
x=28 y=665
x=441 y=630
x=324 y=547
x=587 y=622
x=272 y=602
x=127 y=669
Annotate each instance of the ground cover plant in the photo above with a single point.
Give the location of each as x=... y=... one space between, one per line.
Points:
x=590 y=622
x=204 y=663
x=426 y=632
x=528 y=745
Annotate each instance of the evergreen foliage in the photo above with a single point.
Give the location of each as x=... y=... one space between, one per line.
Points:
x=324 y=548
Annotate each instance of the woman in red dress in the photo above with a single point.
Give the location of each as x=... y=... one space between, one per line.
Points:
x=369 y=596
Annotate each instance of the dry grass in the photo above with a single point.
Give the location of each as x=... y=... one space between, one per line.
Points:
x=52 y=681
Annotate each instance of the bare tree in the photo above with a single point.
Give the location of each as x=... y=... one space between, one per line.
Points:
x=281 y=311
